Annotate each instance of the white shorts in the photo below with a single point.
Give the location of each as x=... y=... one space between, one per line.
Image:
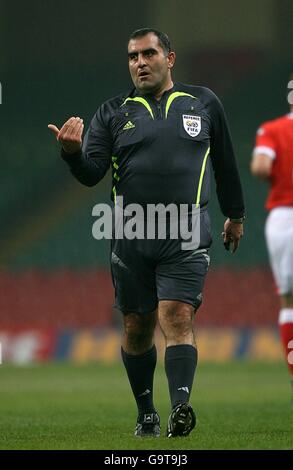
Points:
x=279 y=238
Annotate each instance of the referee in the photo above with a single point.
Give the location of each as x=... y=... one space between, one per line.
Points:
x=160 y=139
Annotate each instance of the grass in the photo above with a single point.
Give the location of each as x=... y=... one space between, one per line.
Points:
x=239 y=405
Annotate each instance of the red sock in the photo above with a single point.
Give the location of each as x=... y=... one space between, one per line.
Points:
x=286 y=333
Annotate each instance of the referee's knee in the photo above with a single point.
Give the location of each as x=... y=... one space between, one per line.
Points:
x=176 y=321
x=139 y=332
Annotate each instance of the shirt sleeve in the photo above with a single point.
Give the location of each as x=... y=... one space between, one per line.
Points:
x=228 y=185
x=91 y=164
x=265 y=142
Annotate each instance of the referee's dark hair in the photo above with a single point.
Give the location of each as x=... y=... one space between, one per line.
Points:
x=163 y=39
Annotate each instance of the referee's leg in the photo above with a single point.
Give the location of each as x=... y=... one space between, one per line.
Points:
x=139 y=356
x=138 y=334
x=176 y=322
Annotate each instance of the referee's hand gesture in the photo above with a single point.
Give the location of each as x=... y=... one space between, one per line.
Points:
x=70 y=134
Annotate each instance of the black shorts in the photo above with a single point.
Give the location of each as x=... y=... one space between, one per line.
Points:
x=147 y=271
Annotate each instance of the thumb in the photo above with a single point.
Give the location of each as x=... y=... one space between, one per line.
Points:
x=225 y=238
x=54 y=129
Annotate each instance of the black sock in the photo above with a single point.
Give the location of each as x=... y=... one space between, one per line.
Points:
x=140 y=370
x=180 y=365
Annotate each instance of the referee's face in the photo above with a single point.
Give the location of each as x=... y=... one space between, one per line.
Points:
x=149 y=66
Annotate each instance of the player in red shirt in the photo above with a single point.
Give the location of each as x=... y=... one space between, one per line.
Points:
x=273 y=161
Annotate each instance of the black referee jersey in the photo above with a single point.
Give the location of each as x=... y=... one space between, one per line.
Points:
x=161 y=151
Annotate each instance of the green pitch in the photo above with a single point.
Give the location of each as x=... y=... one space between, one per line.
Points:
x=60 y=406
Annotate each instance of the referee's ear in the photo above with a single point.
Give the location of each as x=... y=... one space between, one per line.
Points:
x=171 y=57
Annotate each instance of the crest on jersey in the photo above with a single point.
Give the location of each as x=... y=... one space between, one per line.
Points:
x=192 y=124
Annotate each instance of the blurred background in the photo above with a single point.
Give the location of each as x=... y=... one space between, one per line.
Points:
x=59 y=59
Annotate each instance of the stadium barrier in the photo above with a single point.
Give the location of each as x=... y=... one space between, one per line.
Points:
x=215 y=344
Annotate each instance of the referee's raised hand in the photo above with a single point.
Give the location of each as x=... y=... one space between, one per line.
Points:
x=70 y=134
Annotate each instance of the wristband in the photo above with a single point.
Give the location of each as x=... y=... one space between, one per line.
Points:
x=238 y=221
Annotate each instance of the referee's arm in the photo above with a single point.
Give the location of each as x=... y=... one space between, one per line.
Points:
x=228 y=185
